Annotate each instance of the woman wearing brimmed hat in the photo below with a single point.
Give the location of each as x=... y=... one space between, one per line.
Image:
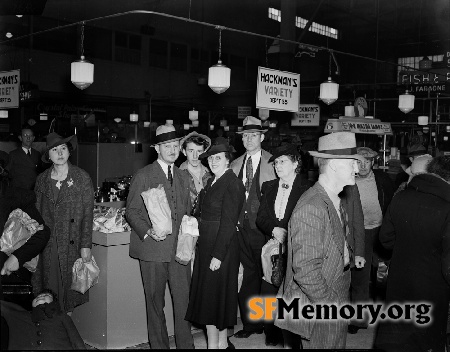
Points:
x=278 y=200
x=65 y=199
x=214 y=286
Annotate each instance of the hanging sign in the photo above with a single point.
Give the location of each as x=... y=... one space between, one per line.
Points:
x=277 y=90
x=373 y=126
x=9 y=89
x=307 y=115
x=244 y=111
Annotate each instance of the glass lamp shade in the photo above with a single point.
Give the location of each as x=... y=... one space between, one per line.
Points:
x=445 y=138
x=406 y=102
x=117 y=119
x=193 y=115
x=219 y=77
x=263 y=114
x=349 y=111
x=223 y=123
x=3 y=114
x=447 y=128
x=134 y=117
x=423 y=120
x=211 y=127
x=195 y=123
x=186 y=126
x=329 y=91
x=226 y=128
x=82 y=73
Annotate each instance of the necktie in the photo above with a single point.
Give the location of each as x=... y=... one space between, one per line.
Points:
x=344 y=218
x=169 y=175
x=249 y=174
x=29 y=153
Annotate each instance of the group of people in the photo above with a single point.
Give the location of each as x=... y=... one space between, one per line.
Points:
x=332 y=230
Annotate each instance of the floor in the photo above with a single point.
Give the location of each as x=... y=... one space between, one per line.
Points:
x=362 y=340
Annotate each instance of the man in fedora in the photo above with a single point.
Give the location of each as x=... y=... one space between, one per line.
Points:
x=192 y=145
x=253 y=168
x=319 y=254
x=157 y=254
x=376 y=191
x=24 y=162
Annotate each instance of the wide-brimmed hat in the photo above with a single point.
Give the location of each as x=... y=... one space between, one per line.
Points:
x=367 y=152
x=54 y=139
x=337 y=145
x=223 y=140
x=285 y=149
x=196 y=134
x=165 y=133
x=252 y=124
x=215 y=149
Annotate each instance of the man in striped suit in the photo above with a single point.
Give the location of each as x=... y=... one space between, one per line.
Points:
x=319 y=251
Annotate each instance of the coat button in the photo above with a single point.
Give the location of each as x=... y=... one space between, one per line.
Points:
x=39 y=342
x=37 y=324
x=39 y=333
x=72 y=220
x=72 y=242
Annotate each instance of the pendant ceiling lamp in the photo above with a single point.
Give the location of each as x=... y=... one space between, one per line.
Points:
x=82 y=71
x=423 y=120
x=406 y=102
x=219 y=74
x=134 y=117
x=329 y=90
x=193 y=115
x=3 y=114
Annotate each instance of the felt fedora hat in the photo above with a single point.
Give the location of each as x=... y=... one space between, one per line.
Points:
x=215 y=149
x=252 y=124
x=285 y=149
x=222 y=140
x=196 y=134
x=54 y=139
x=165 y=133
x=337 y=145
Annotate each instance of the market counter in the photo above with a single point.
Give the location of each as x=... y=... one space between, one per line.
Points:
x=115 y=316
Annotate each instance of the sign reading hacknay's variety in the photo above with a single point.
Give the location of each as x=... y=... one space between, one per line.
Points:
x=9 y=89
x=277 y=90
x=307 y=115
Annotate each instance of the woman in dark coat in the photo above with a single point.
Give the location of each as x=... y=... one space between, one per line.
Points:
x=214 y=285
x=417 y=228
x=278 y=200
x=65 y=198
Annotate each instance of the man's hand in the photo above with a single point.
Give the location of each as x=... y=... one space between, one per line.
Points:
x=11 y=264
x=279 y=234
x=153 y=235
x=215 y=264
x=86 y=255
x=359 y=262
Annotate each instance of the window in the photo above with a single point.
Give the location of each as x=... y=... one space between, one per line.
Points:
x=413 y=62
x=158 y=53
x=178 y=57
x=274 y=14
x=127 y=48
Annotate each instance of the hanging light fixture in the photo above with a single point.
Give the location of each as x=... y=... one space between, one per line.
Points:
x=186 y=126
x=193 y=115
x=447 y=128
x=3 y=114
x=423 y=120
x=263 y=114
x=117 y=119
x=211 y=127
x=329 y=90
x=219 y=74
x=82 y=71
x=406 y=102
x=134 y=117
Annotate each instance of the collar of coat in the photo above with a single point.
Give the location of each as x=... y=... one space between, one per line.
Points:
x=73 y=178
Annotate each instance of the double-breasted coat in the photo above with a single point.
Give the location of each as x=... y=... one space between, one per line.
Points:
x=70 y=221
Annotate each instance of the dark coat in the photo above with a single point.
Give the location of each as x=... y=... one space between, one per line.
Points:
x=22 y=169
x=266 y=219
x=70 y=220
x=180 y=204
x=385 y=188
x=417 y=228
x=351 y=201
x=213 y=296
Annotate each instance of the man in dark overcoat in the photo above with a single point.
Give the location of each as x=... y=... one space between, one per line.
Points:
x=253 y=168
x=156 y=253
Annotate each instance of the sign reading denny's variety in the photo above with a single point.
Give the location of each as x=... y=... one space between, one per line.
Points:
x=367 y=126
x=9 y=89
x=277 y=90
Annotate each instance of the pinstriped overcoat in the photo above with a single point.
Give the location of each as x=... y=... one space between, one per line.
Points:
x=70 y=220
x=315 y=266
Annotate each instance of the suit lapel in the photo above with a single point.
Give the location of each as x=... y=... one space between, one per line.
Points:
x=270 y=198
x=297 y=190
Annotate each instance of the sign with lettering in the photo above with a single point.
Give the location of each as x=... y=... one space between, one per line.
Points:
x=9 y=89
x=432 y=76
x=307 y=115
x=277 y=90
x=244 y=111
x=366 y=126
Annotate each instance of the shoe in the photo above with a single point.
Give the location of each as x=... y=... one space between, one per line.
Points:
x=271 y=340
x=243 y=334
x=353 y=329
x=230 y=345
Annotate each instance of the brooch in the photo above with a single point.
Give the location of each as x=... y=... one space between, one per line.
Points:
x=70 y=183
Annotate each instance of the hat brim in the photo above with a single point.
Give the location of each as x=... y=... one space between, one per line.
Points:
x=216 y=149
x=195 y=134
x=333 y=156
x=252 y=130
x=163 y=142
x=73 y=140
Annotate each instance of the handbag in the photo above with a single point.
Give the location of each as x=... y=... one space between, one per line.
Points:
x=278 y=267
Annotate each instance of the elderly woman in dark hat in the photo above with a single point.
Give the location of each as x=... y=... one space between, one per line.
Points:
x=214 y=286
x=65 y=199
x=278 y=200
